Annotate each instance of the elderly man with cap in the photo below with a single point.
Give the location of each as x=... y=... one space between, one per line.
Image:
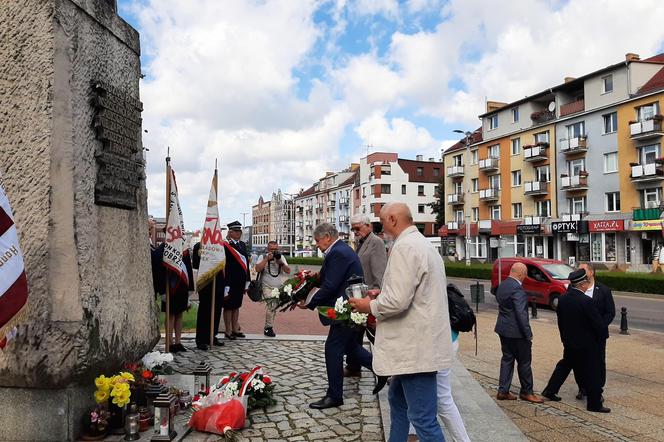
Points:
x=236 y=280
x=583 y=333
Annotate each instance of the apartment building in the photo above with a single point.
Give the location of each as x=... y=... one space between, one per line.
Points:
x=261 y=222
x=282 y=221
x=384 y=178
x=548 y=174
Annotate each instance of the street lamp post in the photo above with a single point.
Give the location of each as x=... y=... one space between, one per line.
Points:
x=466 y=181
x=291 y=223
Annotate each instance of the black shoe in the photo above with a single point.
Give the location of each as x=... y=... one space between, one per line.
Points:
x=326 y=402
x=218 y=342
x=580 y=395
x=380 y=383
x=600 y=410
x=231 y=337
x=550 y=396
x=175 y=348
x=239 y=335
x=203 y=347
x=269 y=332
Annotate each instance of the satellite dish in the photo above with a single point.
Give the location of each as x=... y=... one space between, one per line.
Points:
x=552 y=106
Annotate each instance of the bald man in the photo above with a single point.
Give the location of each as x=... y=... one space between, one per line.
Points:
x=515 y=335
x=413 y=334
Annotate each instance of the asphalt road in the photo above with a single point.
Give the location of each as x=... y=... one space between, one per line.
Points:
x=644 y=312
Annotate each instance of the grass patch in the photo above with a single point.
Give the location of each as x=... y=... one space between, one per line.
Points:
x=188 y=320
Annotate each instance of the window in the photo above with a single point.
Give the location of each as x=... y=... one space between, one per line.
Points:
x=436 y=171
x=515 y=246
x=515 y=114
x=577 y=205
x=458 y=188
x=576 y=130
x=516 y=210
x=493 y=121
x=494 y=182
x=476 y=214
x=474 y=157
x=628 y=250
x=475 y=185
x=494 y=151
x=613 y=202
x=647 y=112
x=607 y=84
x=403 y=189
x=516 y=178
x=648 y=154
x=542 y=174
x=544 y=208
x=420 y=190
x=576 y=166
x=652 y=197
x=364 y=192
x=542 y=137
x=610 y=122
x=611 y=162
x=477 y=247
x=385 y=188
x=420 y=208
x=516 y=146
x=457 y=160
x=420 y=171
x=603 y=247
x=495 y=212
x=458 y=216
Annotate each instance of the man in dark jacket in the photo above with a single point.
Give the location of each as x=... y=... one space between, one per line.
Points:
x=582 y=332
x=515 y=335
x=603 y=300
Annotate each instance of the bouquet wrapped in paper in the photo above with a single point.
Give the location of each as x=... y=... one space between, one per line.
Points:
x=343 y=314
x=224 y=417
x=292 y=291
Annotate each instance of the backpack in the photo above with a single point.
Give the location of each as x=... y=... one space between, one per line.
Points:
x=462 y=318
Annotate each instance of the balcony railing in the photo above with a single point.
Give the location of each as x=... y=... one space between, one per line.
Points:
x=343 y=219
x=576 y=182
x=535 y=153
x=536 y=187
x=533 y=220
x=542 y=116
x=647 y=172
x=489 y=194
x=484 y=224
x=331 y=203
x=488 y=164
x=454 y=171
x=572 y=108
x=343 y=201
x=643 y=214
x=573 y=145
x=453 y=225
x=571 y=217
x=646 y=129
x=455 y=198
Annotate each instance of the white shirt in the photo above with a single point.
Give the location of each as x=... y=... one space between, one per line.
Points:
x=330 y=248
x=589 y=292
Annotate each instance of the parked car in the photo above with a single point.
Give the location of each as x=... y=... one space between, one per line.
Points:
x=545 y=282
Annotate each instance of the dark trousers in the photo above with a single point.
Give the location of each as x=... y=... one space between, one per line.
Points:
x=586 y=364
x=563 y=368
x=350 y=363
x=203 y=317
x=342 y=340
x=518 y=349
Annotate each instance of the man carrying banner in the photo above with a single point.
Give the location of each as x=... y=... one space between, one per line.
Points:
x=13 y=282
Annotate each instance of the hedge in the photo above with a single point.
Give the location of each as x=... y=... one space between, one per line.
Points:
x=312 y=261
x=474 y=271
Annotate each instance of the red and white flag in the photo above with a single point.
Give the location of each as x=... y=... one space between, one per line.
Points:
x=213 y=256
x=174 y=244
x=13 y=282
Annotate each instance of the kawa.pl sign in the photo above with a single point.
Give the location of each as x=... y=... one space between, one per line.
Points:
x=614 y=225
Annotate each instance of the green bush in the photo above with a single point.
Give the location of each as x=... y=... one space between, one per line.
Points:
x=633 y=282
x=312 y=261
x=474 y=271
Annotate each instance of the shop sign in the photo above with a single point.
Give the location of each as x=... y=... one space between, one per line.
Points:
x=528 y=228
x=613 y=225
x=647 y=225
x=572 y=237
x=565 y=227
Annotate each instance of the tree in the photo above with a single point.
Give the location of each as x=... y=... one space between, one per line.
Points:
x=438 y=205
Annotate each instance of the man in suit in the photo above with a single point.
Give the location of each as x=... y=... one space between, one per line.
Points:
x=515 y=334
x=373 y=257
x=603 y=300
x=236 y=280
x=339 y=264
x=582 y=332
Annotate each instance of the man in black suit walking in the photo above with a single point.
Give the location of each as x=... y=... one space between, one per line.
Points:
x=603 y=300
x=583 y=333
x=515 y=335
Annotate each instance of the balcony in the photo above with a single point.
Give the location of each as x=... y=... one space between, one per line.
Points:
x=571 y=217
x=489 y=194
x=455 y=171
x=536 y=188
x=331 y=203
x=574 y=145
x=454 y=225
x=647 y=172
x=644 y=214
x=343 y=201
x=542 y=116
x=533 y=220
x=455 y=198
x=572 y=108
x=488 y=164
x=535 y=153
x=484 y=224
x=642 y=130
x=574 y=183
x=343 y=219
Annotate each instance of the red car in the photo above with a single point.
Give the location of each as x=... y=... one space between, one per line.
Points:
x=546 y=280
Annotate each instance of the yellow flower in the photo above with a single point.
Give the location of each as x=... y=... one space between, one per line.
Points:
x=101 y=396
x=127 y=376
x=122 y=398
x=103 y=383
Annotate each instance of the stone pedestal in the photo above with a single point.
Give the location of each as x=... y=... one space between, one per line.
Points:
x=71 y=160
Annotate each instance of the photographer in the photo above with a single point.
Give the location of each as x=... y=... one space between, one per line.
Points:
x=274 y=268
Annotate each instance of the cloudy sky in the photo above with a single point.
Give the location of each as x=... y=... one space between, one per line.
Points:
x=282 y=91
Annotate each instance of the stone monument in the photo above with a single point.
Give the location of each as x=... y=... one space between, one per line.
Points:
x=73 y=167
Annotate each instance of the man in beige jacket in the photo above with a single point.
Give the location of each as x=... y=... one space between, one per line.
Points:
x=413 y=329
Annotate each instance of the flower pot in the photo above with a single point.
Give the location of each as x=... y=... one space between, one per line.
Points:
x=86 y=436
x=116 y=421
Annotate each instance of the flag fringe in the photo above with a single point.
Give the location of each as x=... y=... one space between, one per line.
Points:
x=19 y=317
x=206 y=278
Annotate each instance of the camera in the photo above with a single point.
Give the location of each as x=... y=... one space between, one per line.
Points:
x=276 y=256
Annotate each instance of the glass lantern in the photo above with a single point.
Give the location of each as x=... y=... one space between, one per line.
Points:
x=202 y=378
x=356 y=287
x=132 y=424
x=151 y=394
x=164 y=418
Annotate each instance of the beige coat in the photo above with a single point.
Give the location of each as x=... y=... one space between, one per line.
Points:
x=373 y=258
x=413 y=332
